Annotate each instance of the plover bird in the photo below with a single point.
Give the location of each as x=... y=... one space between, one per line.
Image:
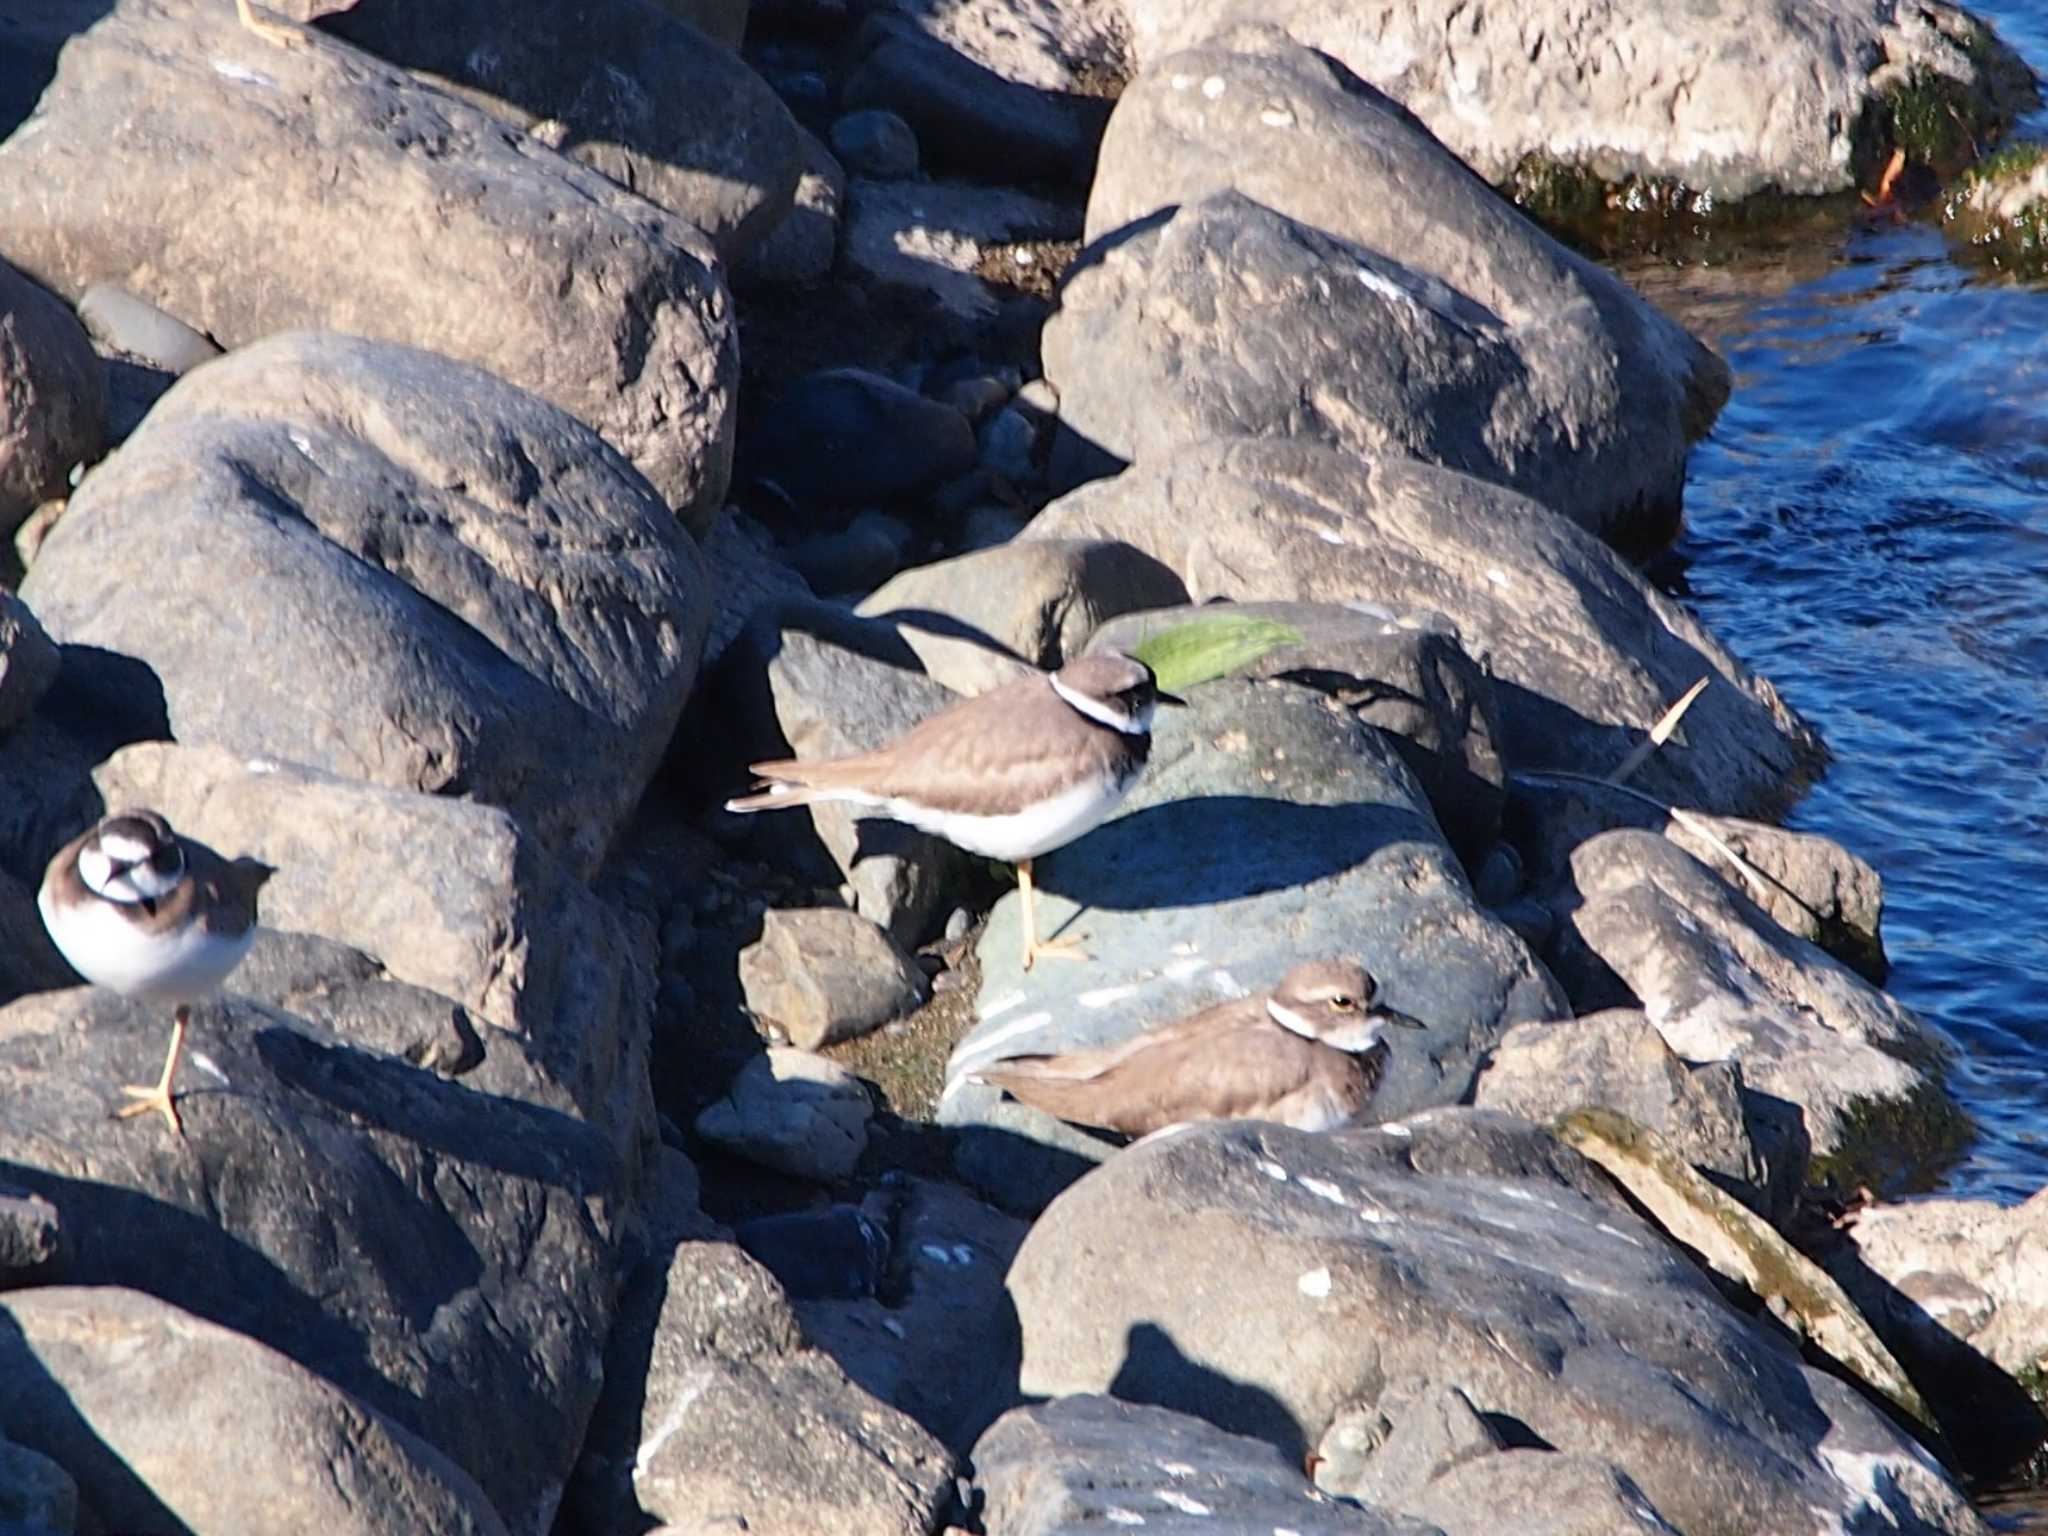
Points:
x=1009 y=774
x=1307 y=1054
x=149 y=914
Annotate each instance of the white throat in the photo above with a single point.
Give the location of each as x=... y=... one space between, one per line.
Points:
x=1105 y=714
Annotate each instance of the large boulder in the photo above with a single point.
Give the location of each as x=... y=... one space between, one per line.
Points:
x=1524 y=361
x=53 y=408
x=28 y=661
x=1585 y=655
x=1269 y=828
x=1268 y=1280
x=168 y=1422
x=1726 y=100
x=625 y=87
x=232 y=192
x=1645 y=924
x=378 y=561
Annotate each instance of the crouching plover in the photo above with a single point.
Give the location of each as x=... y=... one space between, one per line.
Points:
x=149 y=914
x=1307 y=1054
x=1010 y=774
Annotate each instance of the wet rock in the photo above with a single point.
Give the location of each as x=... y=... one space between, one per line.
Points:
x=1405 y=673
x=844 y=436
x=419 y=576
x=876 y=143
x=809 y=681
x=1649 y=926
x=1589 y=395
x=800 y=249
x=825 y=974
x=108 y=1382
x=1269 y=1280
x=53 y=410
x=1771 y=99
x=794 y=1112
x=1090 y=1463
x=976 y=620
x=722 y=1412
x=1616 y=1060
x=1270 y=827
x=970 y=120
x=933 y=238
x=487 y=247
x=1584 y=655
x=28 y=661
x=136 y=327
x=940 y=1343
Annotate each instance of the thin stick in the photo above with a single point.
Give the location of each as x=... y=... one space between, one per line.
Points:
x=1659 y=733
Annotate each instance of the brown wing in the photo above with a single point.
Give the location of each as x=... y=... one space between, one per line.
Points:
x=997 y=752
x=1170 y=1075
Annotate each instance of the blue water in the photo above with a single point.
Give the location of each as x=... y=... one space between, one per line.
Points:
x=1868 y=525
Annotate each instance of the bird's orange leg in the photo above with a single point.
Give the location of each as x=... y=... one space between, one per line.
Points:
x=1050 y=949
x=158 y=1098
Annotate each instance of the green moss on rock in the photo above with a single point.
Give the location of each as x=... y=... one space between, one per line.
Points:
x=1999 y=209
x=1895 y=1145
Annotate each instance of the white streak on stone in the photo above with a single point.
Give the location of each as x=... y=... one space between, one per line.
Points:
x=1175 y=1499
x=1214 y=87
x=1181 y=970
x=1002 y=1005
x=242 y=74
x=1272 y=1170
x=1323 y=1189
x=1315 y=1284
x=1633 y=1242
x=1277 y=117
x=1102 y=997
x=1176 y=1469
x=206 y=1064
x=694 y=1386
x=1116 y=1514
x=1396 y=1128
x=1329 y=536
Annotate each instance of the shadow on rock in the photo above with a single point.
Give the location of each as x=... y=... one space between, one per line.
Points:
x=1156 y=1372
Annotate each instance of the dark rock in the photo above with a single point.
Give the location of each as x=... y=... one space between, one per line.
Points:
x=1269 y=1280
x=28 y=661
x=53 y=409
x=800 y=249
x=1270 y=827
x=37 y=1497
x=858 y=558
x=1592 y=404
x=487 y=246
x=844 y=437
x=840 y=1251
x=876 y=143
x=1088 y=1463
x=1585 y=656
x=825 y=974
x=108 y=1383
x=418 y=576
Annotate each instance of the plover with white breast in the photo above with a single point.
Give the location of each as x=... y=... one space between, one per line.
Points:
x=1309 y=1054
x=142 y=911
x=1009 y=774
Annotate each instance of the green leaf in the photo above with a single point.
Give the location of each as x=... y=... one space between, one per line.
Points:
x=1207 y=648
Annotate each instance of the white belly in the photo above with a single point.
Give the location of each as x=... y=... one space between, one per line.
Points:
x=1024 y=834
x=111 y=952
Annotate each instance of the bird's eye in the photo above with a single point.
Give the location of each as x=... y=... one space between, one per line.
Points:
x=1343 y=1004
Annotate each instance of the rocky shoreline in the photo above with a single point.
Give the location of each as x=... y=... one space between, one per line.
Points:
x=440 y=453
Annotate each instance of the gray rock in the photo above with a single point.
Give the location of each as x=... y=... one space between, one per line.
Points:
x=1089 y=1463
x=1269 y=828
x=969 y=119
x=1540 y=1493
x=1584 y=654
x=976 y=620
x=794 y=1112
x=1648 y=925
x=1387 y=1454
x=1268 y=1280
x=415 y=574
x=844 y=436
x=108 y=1384
x=807 y=680
x=877 y=143
x=942 y=1346
x=1725 y=100
x=825 y=974
x=446 y=896
x=28 y=661
x=119 y=320
x=1054 y=45
x=801 y=248
x=1405 y=673
x=933 y=238
x=36 y=1495
x=53 y=409
x=1616 y=1060
x=487 y=246
x=1609 y=391
x=720 y=1411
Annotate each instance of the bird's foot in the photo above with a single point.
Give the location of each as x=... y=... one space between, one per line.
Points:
x=1055 y=949
x=156 y=1098
x=282 y=33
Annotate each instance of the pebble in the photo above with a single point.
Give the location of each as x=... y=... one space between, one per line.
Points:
x=876 y=143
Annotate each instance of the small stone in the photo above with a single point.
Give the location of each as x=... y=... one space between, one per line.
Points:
x=1498 y=880
x=876 y=143
x=1009 y=444
x=117 y=318
x=31 y=1240
x=976 y=396
x=794 y=1112
x=825 y=975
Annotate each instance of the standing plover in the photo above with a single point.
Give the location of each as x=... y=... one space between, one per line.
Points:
x=1010 y=774
x=149 y=914
x=1307 y=1054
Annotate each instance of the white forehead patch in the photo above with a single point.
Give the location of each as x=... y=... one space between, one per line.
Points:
x=123 y=849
